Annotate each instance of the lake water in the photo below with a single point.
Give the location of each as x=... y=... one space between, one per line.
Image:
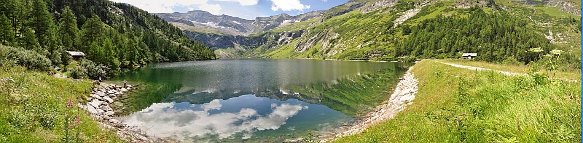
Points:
x=256 y=100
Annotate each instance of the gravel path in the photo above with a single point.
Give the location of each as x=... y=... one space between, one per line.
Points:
x=484 y=69
x=403 y=95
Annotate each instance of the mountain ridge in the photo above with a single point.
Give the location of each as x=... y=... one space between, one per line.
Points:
x=382 y=30
x=230 y=25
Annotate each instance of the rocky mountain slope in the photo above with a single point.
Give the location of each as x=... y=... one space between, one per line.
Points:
x=223 y=31
x=205 y=22
x=501 y=30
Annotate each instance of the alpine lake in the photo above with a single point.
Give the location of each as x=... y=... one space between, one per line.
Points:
x=254 y=100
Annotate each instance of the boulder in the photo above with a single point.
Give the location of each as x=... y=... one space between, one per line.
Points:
x=109 y=113
x=106 y=108
x=107 y=117
x=95 y=96
x=99 y=111
x=123 y=90
x=109 y=100
x=95 y=103
x=100 y=93
x=114 y=121
x=92 y=109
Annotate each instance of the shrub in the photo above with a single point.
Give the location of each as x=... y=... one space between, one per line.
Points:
x=511 y=61
x=26 y=58
x=93 y=70
x=76 y=71
x=87 y=69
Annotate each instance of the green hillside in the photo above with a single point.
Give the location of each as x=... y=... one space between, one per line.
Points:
x=114 y=36
x=500 y=31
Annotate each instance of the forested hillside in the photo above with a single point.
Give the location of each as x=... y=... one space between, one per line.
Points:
x=114 y=36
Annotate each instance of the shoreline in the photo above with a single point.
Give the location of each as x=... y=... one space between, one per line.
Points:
x=402 y=96
x=99 y=106
x=105 y=95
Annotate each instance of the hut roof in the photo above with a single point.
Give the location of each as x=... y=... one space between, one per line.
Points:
x=76 y=53
x=469 y=54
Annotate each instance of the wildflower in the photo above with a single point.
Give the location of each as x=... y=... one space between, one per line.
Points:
x=69 y=103
x=76 y=122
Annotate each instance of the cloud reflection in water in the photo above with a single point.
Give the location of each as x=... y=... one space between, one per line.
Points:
x=184 y=120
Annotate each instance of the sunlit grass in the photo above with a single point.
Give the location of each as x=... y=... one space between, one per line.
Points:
x=33 y=108
x=460 y=105
x=571 y=75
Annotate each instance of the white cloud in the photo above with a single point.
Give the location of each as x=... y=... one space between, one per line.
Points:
x=165 y=120
x=288 y=5
x=166 y=6
x=212 y=8
x=243 y=2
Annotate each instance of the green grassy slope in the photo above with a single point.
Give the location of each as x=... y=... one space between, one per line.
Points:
x=33 y=108
x=459 y=105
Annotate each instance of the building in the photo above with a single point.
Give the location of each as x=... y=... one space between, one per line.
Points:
x=469 y=55
x=76 y=54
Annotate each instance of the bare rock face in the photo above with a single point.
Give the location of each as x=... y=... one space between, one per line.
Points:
x=377 y=5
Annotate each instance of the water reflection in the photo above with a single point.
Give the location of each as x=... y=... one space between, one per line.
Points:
x=236 y=100
x=251 y=75
x=240 y=116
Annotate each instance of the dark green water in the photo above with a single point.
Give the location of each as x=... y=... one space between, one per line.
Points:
x=256 y=100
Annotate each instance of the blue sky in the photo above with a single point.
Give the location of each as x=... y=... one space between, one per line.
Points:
x=248 y=9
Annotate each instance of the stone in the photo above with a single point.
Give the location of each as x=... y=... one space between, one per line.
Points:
x=95 y=96
x=106 y=108
x=114 y=121
x=104 y=105
x=95 y=103
x=109 y=100
x=107 y=117
x=109 y=113
x=99 y=111
x=123 y=90
x=92 y=109
x=100 y=93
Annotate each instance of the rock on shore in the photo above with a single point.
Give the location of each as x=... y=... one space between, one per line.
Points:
x=99 y=105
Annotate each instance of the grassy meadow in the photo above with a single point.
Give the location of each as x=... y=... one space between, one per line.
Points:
x=460 y=105
x=524 y=69
x=36 y=107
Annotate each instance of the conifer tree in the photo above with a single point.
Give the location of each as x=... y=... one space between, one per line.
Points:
x=92 y=31
x=29 y=40
x=68 y=29
x=44 y=26
x=6 y=33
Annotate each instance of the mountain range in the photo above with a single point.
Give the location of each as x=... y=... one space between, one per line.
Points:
x=393 y=30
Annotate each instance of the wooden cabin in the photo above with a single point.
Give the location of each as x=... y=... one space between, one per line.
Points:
x=76 y=54
x=469 y=56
